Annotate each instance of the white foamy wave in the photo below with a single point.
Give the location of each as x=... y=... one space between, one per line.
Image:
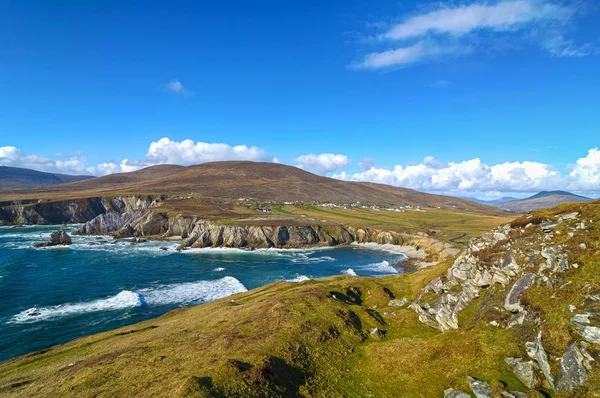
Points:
x=218 y=269
x=349 y=271
x=179 y=293
x=383 y=267
x=125 y=299
x=299 y=278
x=308 y=260
x=193 y=292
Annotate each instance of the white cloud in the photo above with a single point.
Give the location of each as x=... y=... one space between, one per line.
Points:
x=323 y=163
x=585 y=176
x=460 y=30
x=475 y=176
x=558 y=46
x=458 y=21
x=14 y=157
x=188 y=152
x=175 y=87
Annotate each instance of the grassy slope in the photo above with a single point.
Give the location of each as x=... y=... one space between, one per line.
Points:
x=296 y=339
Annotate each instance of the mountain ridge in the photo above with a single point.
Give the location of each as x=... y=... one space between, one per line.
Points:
x=233 y=180
x=18 y=177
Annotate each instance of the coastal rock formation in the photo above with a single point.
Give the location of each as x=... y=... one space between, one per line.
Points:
x=57 y=238
x=70 y=211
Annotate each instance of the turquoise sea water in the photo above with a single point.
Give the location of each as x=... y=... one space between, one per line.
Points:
x=53 y=295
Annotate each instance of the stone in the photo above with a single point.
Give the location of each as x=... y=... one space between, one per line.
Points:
x=587 y=361
x=517 y=319
x=378 y=333
x=513 y=299
x=452 y=393
x=573 y=373
x=548 y=226
x=57 y=238
x=481 y=389
x=571 y=308
x=500 y=276
x=591 y=334
x=513 y=394
x=536 y=351
x=526 y=372
x=398 y=302
x=569 y=216
x=582 y=246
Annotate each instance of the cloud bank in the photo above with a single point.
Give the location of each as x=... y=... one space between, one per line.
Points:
x=476 y=176
x=450 y=31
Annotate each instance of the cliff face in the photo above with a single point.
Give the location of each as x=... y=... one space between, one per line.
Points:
x=128 y=216
x=70 y=211
x=197 y=232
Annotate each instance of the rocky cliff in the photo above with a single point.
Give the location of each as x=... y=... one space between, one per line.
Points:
x=71 y=211
x=516 y=272
x=141 y=216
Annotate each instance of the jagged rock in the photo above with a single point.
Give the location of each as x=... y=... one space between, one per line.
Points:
x=513 y=299
x=378 y=333
x=424 y=316
x=452 y=393
x=571 y=308
x=587 y=361
x=569 y=216
x=484 y=279
x=517 y=319
x=591 y=334
x=481 y=389
x=581 y=322
x=536 y=351
x=500 y=276
x=573 y=373
x=548 y=226
x=513 y=394
x=57 y=238
x=526 y=372
x=398 y=302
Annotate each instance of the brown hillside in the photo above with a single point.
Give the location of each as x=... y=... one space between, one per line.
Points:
x=242 y=179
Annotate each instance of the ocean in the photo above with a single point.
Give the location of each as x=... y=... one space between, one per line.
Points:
x=52 y=295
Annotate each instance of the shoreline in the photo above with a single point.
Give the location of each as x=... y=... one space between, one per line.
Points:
x=415 y=258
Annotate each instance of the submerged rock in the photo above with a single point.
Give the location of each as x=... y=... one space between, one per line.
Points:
x=57 y=238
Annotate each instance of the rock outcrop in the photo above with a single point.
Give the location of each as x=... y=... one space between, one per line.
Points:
x=57 y=238
x=526 y=372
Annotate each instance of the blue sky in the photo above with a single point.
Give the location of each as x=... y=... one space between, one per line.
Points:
x=325 y=85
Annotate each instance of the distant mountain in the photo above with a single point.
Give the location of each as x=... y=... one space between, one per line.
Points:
x=491 y=202
x=252 y=180
x=16 y=177
x=541 y=200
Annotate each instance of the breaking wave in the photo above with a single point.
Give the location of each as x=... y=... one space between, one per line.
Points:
x=179 y=293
